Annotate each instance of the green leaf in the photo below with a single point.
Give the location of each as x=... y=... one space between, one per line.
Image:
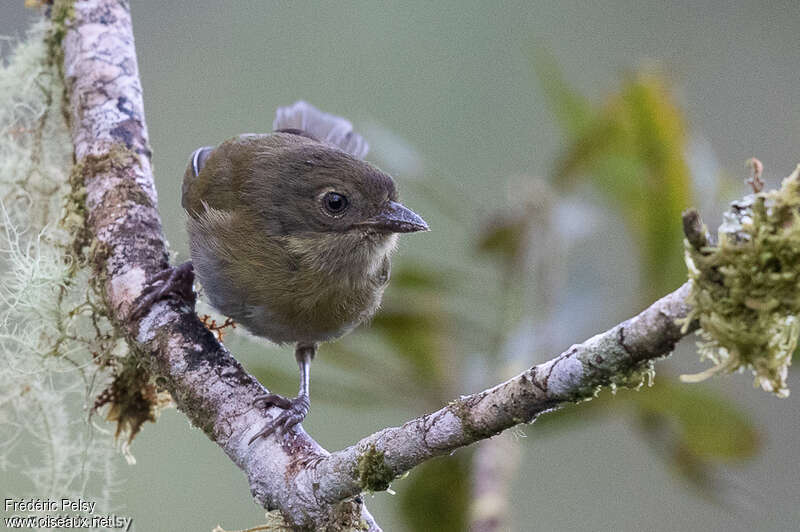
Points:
x=709 y=426
x=417 y=336
x=504 y=238
x=573 y=111
x=436 y=494
x=414 y=277
x=698 y=472
x=634 y=152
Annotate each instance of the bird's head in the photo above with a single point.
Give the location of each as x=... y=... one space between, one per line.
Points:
x=301 y=186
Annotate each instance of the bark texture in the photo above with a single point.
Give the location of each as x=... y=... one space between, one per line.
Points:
x=311 y=487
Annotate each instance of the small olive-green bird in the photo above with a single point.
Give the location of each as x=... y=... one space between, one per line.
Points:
x=291 y=234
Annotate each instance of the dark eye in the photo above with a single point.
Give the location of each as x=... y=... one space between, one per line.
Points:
x=335 y=203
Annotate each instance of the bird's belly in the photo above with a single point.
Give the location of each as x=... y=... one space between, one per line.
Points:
x=286 y=301
x=333 y=314
x=288 y=315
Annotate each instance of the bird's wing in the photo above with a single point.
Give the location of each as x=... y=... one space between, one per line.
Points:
x=322 y=126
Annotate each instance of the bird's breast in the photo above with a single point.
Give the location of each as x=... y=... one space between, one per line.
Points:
x=306 y=288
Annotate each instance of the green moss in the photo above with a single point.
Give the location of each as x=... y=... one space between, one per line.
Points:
x=67 y=348
x=117 y=157
x=373 y=473
x=746 y=288
x=61 y=14
x=133 y=397
x=73 y=218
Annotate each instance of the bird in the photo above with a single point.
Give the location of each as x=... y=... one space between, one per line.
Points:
x=291 y=235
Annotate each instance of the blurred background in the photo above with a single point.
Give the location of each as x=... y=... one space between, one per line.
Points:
x=551 y=146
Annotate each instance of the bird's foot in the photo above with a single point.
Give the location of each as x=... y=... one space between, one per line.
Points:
x=294 y=411
x=176 y=281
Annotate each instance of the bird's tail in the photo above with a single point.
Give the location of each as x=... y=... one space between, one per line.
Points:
x=323 y=126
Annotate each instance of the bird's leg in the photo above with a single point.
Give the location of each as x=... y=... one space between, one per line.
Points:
x=295 y=410
x=175 y=281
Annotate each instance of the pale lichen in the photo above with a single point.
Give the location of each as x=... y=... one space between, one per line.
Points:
x=56 y=343
x=746 y=288
x=640 y=375
x=632 y=378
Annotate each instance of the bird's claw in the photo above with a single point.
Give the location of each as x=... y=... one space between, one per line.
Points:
x=177 y=280
x=294 y=411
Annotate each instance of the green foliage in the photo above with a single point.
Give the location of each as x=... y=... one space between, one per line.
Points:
x=572 y=109
x=704 y=424
x=417 y=277
x=435 y=496
x=709 y=426
x=505 y=238
x=415 y=326
x=632 y=150
x=416 y=335
x=745 y=288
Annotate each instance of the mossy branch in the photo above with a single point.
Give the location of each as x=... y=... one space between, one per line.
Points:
x=745 y=286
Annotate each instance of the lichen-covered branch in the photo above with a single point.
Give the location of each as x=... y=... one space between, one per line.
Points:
x=620 y=356
x=308 y=485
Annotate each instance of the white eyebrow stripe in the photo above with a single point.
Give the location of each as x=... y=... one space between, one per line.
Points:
x=196 y=165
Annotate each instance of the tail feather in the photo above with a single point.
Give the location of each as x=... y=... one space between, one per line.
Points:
x=323 y=126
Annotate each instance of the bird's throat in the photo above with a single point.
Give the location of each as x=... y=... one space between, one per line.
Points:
x=348 y=255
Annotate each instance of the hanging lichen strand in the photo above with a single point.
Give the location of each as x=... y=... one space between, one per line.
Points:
x=57 y=348
x=746 y=288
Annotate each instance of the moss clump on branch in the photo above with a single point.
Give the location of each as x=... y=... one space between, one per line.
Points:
x=373 y=473
x=746 y=288
x=134 y=398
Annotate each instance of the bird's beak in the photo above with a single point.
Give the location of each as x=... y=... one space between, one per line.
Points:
x=396 y=218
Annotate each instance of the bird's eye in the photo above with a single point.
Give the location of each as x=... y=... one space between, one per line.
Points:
x=335 y=203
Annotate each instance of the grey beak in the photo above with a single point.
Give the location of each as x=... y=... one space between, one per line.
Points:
x=396 y=218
